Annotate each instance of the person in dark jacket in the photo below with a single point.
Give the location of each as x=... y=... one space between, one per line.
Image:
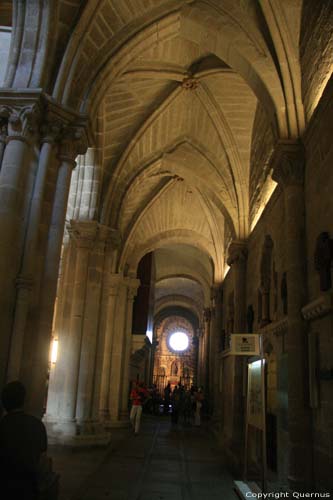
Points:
x=23 y=441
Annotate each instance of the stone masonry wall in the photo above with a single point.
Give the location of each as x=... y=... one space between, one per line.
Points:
x=319 y=209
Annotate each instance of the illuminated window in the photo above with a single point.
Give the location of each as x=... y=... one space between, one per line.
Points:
x=179 y=341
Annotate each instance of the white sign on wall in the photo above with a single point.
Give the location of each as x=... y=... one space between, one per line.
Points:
x=245 y=344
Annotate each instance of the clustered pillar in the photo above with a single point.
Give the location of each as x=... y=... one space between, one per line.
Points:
x=289 y=166
x=86 y=400
x=33 y=202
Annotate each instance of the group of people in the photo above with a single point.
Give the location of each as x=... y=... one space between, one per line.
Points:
x=186 y=404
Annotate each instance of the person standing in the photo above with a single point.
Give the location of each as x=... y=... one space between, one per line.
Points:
x=167 y=393
x=199 y=396
x=138 y=396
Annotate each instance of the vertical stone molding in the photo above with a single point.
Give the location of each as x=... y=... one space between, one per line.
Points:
x=121 y=351
x=216 y=327
x=206 y=339
x=237 y=260
x=106 y=382
x=83 y=234
x=288 y=171
x=132 y=288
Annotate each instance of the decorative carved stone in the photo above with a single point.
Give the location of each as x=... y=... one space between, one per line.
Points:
x=323 y=259
x=276 y=328
x=288 y=163
x=318 y=308
x=22 y=122
x=74 y=142
x=190 y=83
x=3 y=130
x=51 y=131
x=237 y=252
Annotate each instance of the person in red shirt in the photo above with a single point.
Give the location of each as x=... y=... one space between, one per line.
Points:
x=138 y=396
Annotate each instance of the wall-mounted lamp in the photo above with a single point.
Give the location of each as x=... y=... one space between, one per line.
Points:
x=54 y=351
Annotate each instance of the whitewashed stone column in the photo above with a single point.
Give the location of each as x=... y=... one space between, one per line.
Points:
x=25 y=280
x=73 y=144
x=14 y=173
x=106 y=382
x=288 y=171
x=132 y=288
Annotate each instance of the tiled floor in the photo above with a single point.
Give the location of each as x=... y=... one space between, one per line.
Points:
x=163 y=462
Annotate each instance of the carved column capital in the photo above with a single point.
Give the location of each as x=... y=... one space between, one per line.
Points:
x=51 y=131
x=288 y=163
x=73 y=143
x=237 y=252
x=113 y=284
x=132 y=288
x=84 y=233
x=110 y=236
x=22 y=121
x=3 y=131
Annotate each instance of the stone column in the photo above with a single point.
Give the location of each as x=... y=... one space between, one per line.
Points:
x=132 y=288
x=84 y=234
x=87 y=416
x=106 y=383
x=237 y=260
x=22 y=127
x=216 y=329
x=289 y=166
x=74 y=143
x=24 y=282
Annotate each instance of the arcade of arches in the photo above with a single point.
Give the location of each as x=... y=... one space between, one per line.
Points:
x=166 y=165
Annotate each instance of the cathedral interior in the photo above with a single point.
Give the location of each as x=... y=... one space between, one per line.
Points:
x=166 y=184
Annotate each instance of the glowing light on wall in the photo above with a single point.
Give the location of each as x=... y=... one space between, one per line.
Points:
x=267 y=191
x=149 y=334
x=54 y=351
x=179 y=341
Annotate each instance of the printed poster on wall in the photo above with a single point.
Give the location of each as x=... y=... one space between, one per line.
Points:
x=245 y=344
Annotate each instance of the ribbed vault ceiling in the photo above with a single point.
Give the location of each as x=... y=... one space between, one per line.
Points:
x=172 y=87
